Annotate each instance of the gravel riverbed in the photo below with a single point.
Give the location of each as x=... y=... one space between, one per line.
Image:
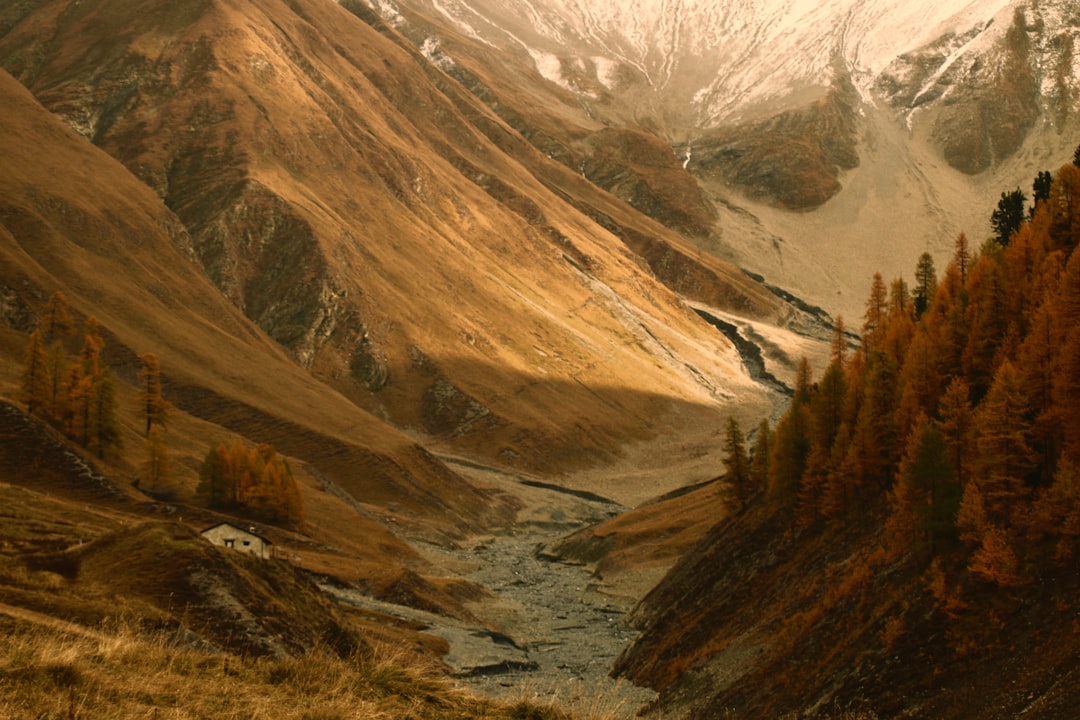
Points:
x=561 y=634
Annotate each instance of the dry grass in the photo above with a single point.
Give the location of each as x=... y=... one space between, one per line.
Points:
x=124 y=674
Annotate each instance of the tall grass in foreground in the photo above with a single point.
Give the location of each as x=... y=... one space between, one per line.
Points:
x=44 y=674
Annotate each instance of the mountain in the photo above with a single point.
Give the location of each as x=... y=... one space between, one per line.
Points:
x=805 y=126
x=481 y=273
x=404 y=245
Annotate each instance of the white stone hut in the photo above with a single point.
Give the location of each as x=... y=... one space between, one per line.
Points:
x=230 y=536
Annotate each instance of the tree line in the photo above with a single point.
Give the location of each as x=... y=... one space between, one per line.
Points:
x=67 y=383
x=953 y=422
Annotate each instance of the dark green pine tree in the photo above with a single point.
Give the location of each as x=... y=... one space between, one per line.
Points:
x=925 y=283
x=1009 y=214
x=1041 y=189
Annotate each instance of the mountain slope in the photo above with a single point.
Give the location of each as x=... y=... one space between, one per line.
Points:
x=355 y=206
x=120 y=255
x=912 y=550
x=843 y=112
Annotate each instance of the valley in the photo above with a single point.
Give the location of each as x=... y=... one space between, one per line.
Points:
x=515 y=332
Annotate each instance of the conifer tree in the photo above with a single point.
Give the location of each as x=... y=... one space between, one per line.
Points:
x=875 y=445
x=926 y=490
x=957 y=420
x=1003 y=440
x=1056 y=512
x=987 y=319
x=158 y=467
x=826 y=410
x=900 y=324
x=36 y=384
x=155 y=408
x=1064 y=208
x=920 y=381
x=925 y=284
x=257 y=481
x=759 y=458
x=873 y=329
x=56 y=361
x=1040 y=189
x=104 y=437
x=56 y=322
x=737 y=462
x=85 y=374
x=946 y=322
x=1009 y=214
x=790 y=442
x=962 y=256
x=1066 y=365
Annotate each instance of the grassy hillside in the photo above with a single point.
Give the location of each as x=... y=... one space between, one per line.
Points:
x=107 y=615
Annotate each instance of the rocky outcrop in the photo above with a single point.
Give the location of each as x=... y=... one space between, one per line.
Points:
x=793 y=159
x=980 y=94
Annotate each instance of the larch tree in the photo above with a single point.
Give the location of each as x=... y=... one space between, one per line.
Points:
x=957 y=420
x=790 y=442
x=962 y=256
x=1064 y=208
x=920 y=380
x=1004 y=457
x=875 y=444
x=759 y=457
x=56 y=322
x=85 y=374
x=900 y=321
x=827 y=403
x=1066 y=369
x=737 y=462
x=158 y=466
x=56 y=360
x=927 y=482
x=36 y=385
x=256 y=480
x=873 y=329
x=104 y=437
x=155 y=407
x=987 y=319
x=1056 y=512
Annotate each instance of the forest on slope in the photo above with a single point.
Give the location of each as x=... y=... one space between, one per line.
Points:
x=908 y=541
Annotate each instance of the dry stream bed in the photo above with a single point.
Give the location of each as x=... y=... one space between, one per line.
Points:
x=550 y=632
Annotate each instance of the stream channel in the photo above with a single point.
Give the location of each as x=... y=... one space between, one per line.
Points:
x=558 y=633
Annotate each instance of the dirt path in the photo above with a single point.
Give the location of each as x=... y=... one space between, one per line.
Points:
x=52 y=623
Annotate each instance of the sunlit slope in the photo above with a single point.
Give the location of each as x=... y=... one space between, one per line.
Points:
x=358 y=208
x=73 y=219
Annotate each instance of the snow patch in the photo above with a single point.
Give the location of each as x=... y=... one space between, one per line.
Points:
x=607 y=71
x=430 y=49
x=549 y=66
x=388 y=11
